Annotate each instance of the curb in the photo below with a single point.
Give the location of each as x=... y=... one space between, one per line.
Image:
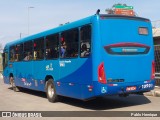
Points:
x=157 y=93
x=154 y=93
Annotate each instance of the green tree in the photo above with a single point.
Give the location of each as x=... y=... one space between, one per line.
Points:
x=1 y=47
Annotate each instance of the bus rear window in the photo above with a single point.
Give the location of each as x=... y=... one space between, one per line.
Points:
x=143 y=31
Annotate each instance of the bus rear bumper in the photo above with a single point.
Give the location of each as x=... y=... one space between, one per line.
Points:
x=123 y=88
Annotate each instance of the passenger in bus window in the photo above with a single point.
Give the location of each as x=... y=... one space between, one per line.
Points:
x=84 y=52
x=35 y=55
x=63 y=48
x=16 y=57
x=48 y=53
x=28 y=57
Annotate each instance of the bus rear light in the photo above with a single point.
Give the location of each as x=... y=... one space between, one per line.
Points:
x=147 y=81
x=113 y=84
x=153 y=70
x=101 y=74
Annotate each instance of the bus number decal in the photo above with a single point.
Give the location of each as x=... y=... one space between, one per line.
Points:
x=147 y=86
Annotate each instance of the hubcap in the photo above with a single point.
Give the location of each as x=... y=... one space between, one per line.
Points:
x=50 y=90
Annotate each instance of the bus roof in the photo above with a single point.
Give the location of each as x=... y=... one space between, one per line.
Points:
x=72 y=25
x=52 y=31
x=124 y=16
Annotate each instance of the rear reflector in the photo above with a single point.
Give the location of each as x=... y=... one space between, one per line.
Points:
x=101 y=74
x=153 y=70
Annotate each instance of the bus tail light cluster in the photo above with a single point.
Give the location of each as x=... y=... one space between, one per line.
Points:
x=153 y=70
x=101 y=74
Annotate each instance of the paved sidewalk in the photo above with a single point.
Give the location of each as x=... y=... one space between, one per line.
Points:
x=155 y=92
x=1 y=76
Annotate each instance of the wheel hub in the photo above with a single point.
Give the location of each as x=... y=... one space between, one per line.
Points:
x=50 y=91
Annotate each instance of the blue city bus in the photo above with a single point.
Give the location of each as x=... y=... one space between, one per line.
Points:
x=96 y=56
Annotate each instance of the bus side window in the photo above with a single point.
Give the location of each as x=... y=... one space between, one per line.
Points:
x=5 y=60
x=28 y=54
x=19 y=52
x=85 y=41
x=12 y=54
x=38 y=49
x=69 y=43
x=52 y=49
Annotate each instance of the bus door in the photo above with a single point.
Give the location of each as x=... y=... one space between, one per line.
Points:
x=5 y=67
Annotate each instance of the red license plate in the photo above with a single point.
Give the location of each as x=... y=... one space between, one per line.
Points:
x=131 y=88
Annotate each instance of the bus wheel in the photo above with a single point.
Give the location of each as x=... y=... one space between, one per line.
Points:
x=14 y=87
x=51 y=91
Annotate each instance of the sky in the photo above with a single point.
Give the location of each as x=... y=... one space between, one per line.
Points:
x=48 y=14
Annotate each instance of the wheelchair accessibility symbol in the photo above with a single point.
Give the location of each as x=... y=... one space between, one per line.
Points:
x=103 y=89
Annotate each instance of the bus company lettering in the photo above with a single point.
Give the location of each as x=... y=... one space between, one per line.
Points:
x=63 y=63
x=27 y=83
x=129 y=50
x=25 y=77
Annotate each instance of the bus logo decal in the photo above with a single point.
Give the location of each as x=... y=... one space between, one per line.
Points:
x=49 y=67
x=23 y=79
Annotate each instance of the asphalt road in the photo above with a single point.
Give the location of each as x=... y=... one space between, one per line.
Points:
x=28 y=100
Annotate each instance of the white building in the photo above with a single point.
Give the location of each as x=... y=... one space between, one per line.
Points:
x=156 y=35
x=156 y=38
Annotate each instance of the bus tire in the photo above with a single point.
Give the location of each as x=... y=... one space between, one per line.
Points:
x=14 y=87
x=51 y=91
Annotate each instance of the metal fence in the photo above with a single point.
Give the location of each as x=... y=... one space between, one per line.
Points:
x=157 y=63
